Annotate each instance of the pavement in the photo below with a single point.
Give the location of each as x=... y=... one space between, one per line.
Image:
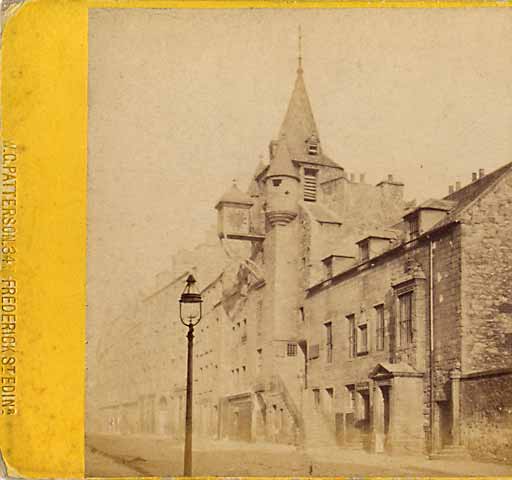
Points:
x=150 y=455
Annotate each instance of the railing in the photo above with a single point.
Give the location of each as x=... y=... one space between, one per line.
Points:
x=278 y=384
x=326 y=418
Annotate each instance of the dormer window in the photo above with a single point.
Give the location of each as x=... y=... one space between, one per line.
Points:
x=310 y=183
x=426 y=216
x=313 y=149
x=414 y=227
x=375 y=244
x=364 y=251
x=313 y=145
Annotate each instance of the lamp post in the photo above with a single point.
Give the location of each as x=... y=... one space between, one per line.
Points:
x=190 y=316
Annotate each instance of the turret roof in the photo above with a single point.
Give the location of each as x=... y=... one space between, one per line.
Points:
x=281 y=165
x=235 y=195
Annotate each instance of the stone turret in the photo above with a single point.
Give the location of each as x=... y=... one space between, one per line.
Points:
x=233 y=217
x=282 y=187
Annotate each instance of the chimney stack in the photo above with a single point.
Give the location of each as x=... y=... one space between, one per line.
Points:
x=352 y=177
x=450 y=189
x=474 y=177
x=361 y=178
x=390 y=178
x=457 y=185
x=481 y=172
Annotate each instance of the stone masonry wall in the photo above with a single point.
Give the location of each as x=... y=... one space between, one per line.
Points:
x=447 y=306
x=487 y=322
x=487 y=417
x=358 y=295
x=487 y=280
x=359 y=292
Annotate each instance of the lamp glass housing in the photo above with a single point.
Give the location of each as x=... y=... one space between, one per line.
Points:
x=190 y=303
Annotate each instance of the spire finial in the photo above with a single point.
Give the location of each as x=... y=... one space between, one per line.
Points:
x=299 y=69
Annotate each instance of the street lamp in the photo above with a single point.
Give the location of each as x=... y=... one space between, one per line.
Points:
x=190 y=316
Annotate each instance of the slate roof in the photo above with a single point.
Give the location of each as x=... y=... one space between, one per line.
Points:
x=260 y=168
x=235 y=195
x=465 y=196
x=384 y=233
x=281 y=165
x=299 y=125
x=321 y=213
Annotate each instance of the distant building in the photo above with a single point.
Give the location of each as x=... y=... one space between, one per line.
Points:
x=335 y=313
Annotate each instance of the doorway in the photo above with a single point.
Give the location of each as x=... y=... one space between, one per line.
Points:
x=445 y=423
x=386 y=413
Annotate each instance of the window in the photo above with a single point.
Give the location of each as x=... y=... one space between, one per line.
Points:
x=301 y=314
x=276 y=182
x=313 y=145
x=313 y=351
x=379 y=327
x=352 y=337
x=243 y=337
x=351 y=398
x=362 y=337
x=330 y=399
x=414 y=226
x=316 y=397
x=291 y=350
x=406 y=332
x=328 y=341
x=310 y=184
x=259 y=360
x=364 y=250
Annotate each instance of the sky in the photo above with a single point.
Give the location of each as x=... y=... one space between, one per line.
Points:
x=183 y=101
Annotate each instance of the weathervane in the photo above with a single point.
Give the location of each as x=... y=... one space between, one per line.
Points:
x=299 y=70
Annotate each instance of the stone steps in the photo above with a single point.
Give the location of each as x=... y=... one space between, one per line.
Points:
x=355 y=445
x=451 y=452
x=317 y=431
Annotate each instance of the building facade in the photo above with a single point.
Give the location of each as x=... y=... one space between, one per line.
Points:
x=335 y=313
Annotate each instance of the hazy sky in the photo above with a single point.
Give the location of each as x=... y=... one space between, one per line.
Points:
x=182 y=101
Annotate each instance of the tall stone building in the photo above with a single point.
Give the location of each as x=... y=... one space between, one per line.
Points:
x=335 y=313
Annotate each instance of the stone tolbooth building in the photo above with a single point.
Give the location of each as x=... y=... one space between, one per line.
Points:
x=335 y=313
x=367 y=322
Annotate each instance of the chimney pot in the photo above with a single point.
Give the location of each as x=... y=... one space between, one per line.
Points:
x=450 y=189
x=361 y=178
x=457 y=185
x=474 y=176
x=481 y=172
x=390 y=178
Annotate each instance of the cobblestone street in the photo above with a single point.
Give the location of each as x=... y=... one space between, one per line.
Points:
x=112 y=455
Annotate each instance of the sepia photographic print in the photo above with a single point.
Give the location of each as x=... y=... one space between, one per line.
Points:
x=298 y=242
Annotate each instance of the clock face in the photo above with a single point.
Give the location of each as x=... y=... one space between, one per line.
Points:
x=237 y=219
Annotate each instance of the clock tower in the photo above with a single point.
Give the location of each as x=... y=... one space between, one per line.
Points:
x=233 y=214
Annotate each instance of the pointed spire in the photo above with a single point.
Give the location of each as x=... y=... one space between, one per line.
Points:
x=299 y=124
x=281 y=165
x=299 y=68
